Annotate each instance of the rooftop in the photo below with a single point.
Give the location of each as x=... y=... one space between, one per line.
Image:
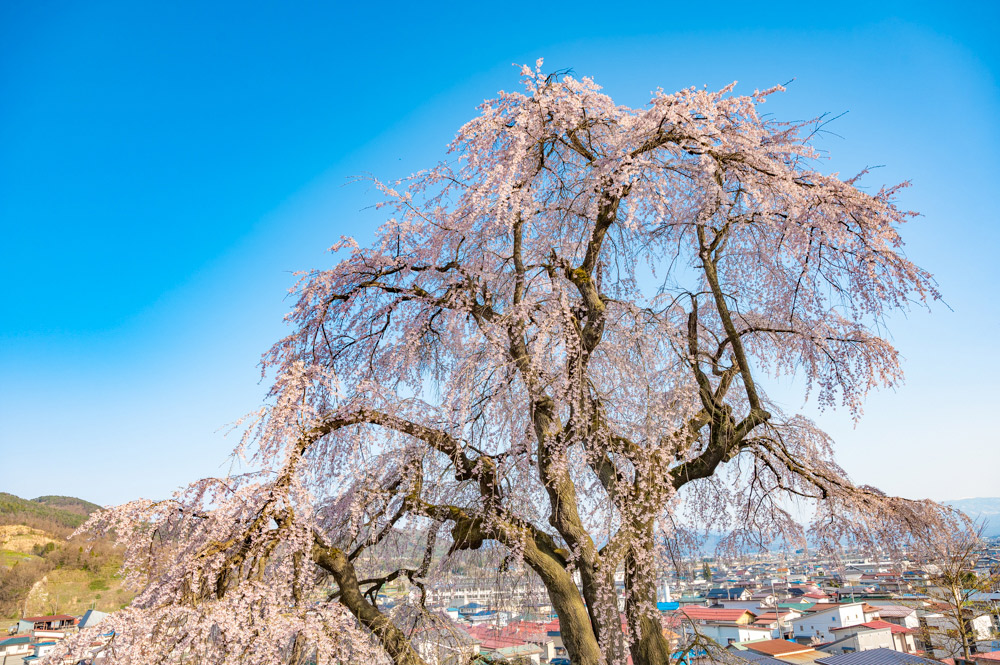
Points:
x=714 y=613
x=876 y=657
x=776 y=647
x=51 y=617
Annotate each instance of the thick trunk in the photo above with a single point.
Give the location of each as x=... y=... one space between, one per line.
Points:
x=651 y=647
x=574 y=622
x=603 y=611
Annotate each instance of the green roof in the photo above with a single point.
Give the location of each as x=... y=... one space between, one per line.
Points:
x=18 y=639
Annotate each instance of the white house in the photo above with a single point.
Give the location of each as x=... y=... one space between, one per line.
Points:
x=819 y=626
x=15 y=645
x=900 y=615
x=779 y=622
x=943 y=644
x=873 y=635
x=724 y=634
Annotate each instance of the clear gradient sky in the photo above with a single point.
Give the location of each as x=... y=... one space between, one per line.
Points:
x=164 y=167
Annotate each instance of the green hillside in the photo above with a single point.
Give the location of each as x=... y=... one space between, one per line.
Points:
x=43 y=573
x=70 y=504
x=39 y=514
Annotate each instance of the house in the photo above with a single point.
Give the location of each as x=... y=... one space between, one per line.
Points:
x=752 y=657
x=39 y=651
x=530 y=632
x=50 y=622
x=92 y=618
x=765 y=598
x=509 y=648
x=736 y=593
x=483 y=617
x=779 y=622
x=783 y=651
x=876 y=657
x=15 y=645
x=720 y=624
x=728 y=633
x=941 y=631
x=900 y=615
x=728 y=615
x=799 y=607
x=470 y=608
x=901 y=638
x=859 y=638
x=776 y=648
x=818 y=626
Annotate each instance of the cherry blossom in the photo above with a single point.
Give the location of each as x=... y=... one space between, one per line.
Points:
x=554 y=355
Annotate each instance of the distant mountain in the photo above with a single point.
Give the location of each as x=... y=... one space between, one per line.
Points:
x=70 y=504
x=49 y=513
x=985 y=510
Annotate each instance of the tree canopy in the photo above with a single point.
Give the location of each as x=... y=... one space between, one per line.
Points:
x=556 y=351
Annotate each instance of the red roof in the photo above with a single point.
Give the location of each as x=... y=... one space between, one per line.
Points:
x=52 y=617
x=500 y=642
x=897 y=630
x=772 y=615
x=519 y=631
x=990 y=655
x=878 y=624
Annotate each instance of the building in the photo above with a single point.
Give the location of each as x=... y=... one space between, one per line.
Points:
x=819 y=626
x=50 y=622
x=897 y=637
x=736 y=593
x=15 y=645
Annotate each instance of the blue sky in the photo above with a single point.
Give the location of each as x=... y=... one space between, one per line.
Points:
x=163 y=170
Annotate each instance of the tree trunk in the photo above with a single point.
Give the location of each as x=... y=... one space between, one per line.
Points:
x=578 y=635
x=652 y=647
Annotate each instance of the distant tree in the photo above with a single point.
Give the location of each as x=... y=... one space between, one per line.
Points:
x=956 y=589
x=706 y=571
x=554 y=352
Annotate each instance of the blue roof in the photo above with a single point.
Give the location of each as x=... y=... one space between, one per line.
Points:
x=876 y=657
x=667 y=607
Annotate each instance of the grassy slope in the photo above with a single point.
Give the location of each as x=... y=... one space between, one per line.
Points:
x=74 y=591
x=9 y=557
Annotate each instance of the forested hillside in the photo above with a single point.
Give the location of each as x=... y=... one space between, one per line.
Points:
x=55 y=514
x=70 y=504
x=42 y=571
